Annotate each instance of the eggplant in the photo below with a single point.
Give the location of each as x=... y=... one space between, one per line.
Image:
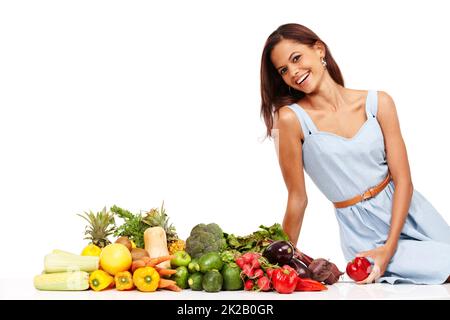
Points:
x=280 y=252
x=301 y=268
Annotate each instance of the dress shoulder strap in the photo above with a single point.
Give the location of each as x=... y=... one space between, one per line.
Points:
x=306 y=123
x=372 y=103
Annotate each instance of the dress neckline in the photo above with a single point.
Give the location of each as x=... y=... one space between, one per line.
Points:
x=317 y=131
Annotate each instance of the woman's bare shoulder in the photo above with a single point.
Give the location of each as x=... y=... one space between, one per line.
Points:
x=286 y=119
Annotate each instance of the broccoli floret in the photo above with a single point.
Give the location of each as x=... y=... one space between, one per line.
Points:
x=214 y=229
x=205 y=238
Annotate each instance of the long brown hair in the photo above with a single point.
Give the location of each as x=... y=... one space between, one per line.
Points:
x=274 y=91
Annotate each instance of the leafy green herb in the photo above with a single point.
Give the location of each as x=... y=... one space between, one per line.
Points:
x=133 y=226
x=258 y=240
x=229 y=255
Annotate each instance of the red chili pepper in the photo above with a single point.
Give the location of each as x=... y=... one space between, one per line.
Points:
x=284 y=279
x=358 y=269
x=305 y=284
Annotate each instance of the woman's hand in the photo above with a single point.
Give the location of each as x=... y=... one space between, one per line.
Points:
x=381 y=257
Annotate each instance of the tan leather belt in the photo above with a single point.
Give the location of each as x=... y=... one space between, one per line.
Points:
x=372 y=192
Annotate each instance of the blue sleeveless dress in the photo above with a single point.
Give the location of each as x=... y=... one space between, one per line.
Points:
x=344 y=167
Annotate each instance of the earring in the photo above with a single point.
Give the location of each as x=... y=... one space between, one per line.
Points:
x=324 y=63
x=290 y=90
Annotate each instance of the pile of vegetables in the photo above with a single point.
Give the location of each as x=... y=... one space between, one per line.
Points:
x=135 y=225
x=207 y=273
x=256 y=272
x=148 y=255
x=284 y=253
x=65 y=271
x=118 y=265
x=274 y=243
x=258 y=240
x=260 y=275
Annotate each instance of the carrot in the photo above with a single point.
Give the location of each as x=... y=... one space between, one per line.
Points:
x=145 y=259
x=165 y=272
x=137 y=264
x=155 y=261
x=173 y=287
x=164 y=283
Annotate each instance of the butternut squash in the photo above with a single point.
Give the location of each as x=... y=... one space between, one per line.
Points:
x=155 y=241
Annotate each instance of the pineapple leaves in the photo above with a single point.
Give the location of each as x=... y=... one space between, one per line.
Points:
x=100 y=226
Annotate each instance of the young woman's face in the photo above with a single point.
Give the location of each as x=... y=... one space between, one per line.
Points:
x=299 y=65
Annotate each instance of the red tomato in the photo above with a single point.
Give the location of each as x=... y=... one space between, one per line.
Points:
x=358 y=269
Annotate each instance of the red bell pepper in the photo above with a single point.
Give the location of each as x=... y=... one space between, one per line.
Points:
x=284 y=279
x=305 y=284
x=358 y=269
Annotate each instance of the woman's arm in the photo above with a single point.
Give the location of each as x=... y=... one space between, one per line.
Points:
x=397 y=159
x=287 y=135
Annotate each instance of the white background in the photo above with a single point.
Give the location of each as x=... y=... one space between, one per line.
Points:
x=135 y=103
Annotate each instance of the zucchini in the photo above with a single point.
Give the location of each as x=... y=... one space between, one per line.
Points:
x=56 y=262
x=62 y=281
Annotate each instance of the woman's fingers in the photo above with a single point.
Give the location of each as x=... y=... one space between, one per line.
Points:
x=373 y=276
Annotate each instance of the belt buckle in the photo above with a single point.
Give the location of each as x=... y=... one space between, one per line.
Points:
x=366 y=195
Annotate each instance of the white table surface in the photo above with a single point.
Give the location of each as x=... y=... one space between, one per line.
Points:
x=14 y=289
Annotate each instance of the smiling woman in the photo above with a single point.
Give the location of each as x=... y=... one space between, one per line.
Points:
x=274 y=89
x=357 y=159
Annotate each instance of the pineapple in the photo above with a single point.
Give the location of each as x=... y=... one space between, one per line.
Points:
x=176 y=245
x=158 y=218
x=101 y=225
